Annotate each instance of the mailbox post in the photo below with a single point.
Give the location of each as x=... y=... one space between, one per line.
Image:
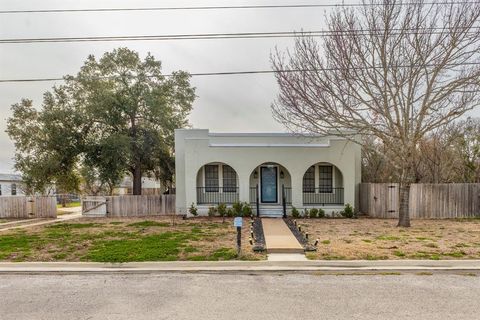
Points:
x=237 y=222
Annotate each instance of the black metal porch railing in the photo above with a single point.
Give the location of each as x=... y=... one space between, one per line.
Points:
x=253 y=195
x=217 y=195
x=288 y=195
x=323 y=196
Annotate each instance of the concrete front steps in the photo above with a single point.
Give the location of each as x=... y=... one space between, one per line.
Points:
x=271 y=212
x=279 y=238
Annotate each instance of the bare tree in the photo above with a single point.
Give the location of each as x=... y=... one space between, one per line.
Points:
x=393 y=70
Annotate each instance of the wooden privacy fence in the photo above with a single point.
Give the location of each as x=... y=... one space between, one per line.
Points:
x=28 y=207
x=427 y=201
x=129 y=205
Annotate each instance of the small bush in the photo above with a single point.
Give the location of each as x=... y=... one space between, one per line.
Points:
x=222 y=209
x=295 y=213
x=348 y=212
x=321 y=213
x=238 y=209
x=247 y=210
x=230 y=212
x=306 y=213
x=212 y=211
x=193 y=210
x=313 y=213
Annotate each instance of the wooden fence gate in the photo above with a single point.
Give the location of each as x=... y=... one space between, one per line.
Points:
x=380 y=200
x=94 y=206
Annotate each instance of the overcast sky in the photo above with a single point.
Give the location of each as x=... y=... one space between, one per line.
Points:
x=224 y=103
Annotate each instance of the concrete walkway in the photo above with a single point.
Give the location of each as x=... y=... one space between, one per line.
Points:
x=243 y=266
x=22 y=224
x=279 y=238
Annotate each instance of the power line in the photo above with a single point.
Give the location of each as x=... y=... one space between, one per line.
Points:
x=213 y=36
x=228 y=73
x=287 y=6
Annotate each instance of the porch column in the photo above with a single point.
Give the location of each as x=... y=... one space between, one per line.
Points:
x=190 y=187
x=297 y=189
x=244 y=186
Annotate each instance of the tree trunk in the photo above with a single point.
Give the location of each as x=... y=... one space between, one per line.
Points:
x=404 y=214
x=137 y=181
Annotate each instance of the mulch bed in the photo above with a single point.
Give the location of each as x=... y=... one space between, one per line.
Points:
x=259 y=237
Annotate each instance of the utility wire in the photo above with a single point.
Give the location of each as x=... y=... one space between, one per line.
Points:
x=286 y=6
x=240 y=35
x=228 y=73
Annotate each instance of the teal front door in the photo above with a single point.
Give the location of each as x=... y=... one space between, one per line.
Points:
x=268 y=182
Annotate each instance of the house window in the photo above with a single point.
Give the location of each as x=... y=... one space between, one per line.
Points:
x=309 y=180
x=229 y=179
x=211 y=178
x=326 y=178
x=14 y=189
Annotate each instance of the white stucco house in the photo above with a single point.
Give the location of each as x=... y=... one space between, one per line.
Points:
x=271 y=171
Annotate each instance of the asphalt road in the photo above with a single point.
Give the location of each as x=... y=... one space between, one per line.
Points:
x=227 y=296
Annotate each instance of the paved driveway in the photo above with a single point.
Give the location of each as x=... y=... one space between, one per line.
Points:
x=214 y=296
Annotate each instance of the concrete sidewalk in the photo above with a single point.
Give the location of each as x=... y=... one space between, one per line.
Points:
x=240 y=266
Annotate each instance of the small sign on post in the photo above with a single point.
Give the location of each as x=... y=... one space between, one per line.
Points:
x=238 y=222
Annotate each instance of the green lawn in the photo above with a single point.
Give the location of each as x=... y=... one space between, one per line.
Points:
x=116 y=240
x=70 y=204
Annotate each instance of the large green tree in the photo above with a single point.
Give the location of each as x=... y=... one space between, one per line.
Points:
x=117 y=115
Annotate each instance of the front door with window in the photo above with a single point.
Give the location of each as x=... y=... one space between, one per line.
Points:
x=268 y=182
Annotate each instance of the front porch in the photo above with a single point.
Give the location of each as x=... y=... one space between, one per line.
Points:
x=270 y=191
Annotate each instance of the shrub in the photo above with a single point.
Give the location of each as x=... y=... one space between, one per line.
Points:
x=193 y=210
x=321 y=213
x=237 y=209
x=295 y=213
x=212 y=211
x=348 y=212
x=230 y=212
x=247 y=210
x=222 y=209
x=313 y=213
x=306 y=213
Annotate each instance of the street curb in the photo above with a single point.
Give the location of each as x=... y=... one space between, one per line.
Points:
x=240 y=267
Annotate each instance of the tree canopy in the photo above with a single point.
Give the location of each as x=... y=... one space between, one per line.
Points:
x=116 y=116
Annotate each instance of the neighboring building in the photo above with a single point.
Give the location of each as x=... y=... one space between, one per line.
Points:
x=150 y=186
x=279 y=169
x=11 y=185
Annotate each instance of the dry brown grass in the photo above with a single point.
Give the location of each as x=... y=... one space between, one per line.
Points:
x=375 y=239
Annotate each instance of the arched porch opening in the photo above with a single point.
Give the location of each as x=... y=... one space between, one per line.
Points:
x=270 y=185
x=323 y=185
x=217 y=182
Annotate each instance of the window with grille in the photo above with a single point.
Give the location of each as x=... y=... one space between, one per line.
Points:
x=309 y=180
x=14 y=189
x=211 y=178
x=326 y=178
x=229 y=179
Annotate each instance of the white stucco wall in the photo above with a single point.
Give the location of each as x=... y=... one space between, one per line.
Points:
x=246 y=151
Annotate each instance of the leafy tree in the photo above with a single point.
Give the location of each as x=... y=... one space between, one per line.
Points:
x=117 y=115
